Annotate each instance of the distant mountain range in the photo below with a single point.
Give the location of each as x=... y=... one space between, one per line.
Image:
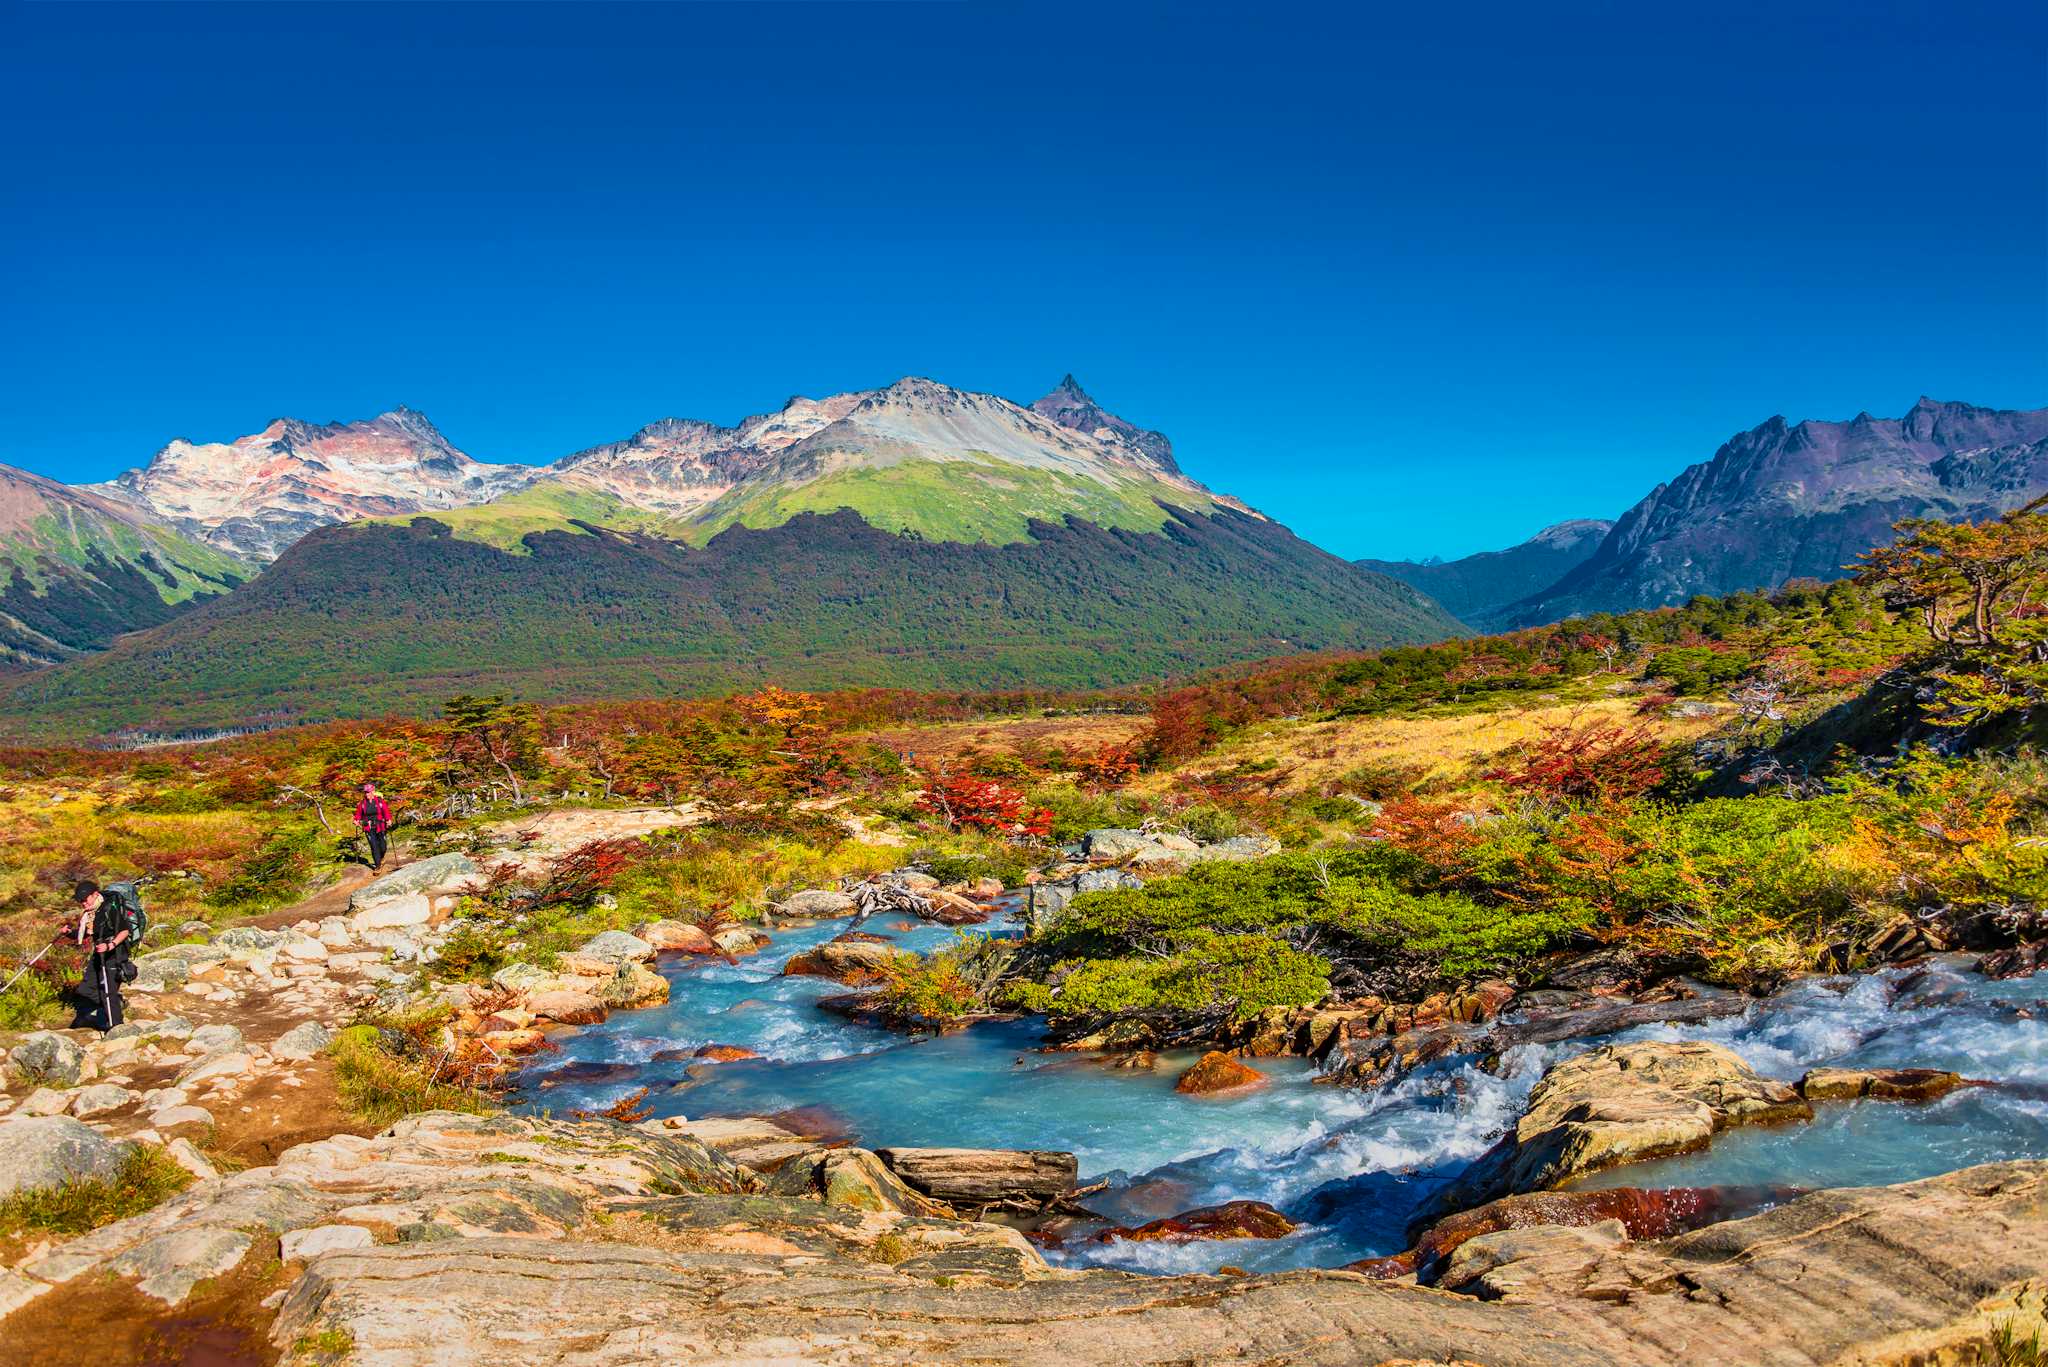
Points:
x=914 y=534
x=1781 y=501
x=1801 y=500
x=1476 y=588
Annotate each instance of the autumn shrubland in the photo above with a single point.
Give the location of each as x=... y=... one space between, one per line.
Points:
x=1743 y=788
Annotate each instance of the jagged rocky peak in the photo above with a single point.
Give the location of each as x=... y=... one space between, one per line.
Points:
x=1070 y=406
x=255 y=495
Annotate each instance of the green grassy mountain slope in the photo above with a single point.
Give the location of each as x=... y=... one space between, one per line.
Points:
x=78 y=569
x=368 y=618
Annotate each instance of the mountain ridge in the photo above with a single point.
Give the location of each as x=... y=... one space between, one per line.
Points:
x=1800 y=500
x=1474 y=588
x=78 y=569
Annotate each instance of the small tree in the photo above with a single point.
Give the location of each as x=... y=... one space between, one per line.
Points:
x=965 y=802
x=1598 y=762
x=489 y=729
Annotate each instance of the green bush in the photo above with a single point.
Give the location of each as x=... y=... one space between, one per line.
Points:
x=1006 y=868
x=380 y=1086
x=1074 y=812
x=1254 y=971
x=31 y=1003
x=275 y=874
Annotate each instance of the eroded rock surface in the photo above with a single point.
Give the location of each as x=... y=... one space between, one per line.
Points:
x=1621 y=1103
x=1819 y=1280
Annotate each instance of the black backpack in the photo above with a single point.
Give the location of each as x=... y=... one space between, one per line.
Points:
x=128 y=900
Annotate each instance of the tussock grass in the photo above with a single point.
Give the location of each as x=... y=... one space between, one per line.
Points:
x=379 y=1085
x=147 y=1178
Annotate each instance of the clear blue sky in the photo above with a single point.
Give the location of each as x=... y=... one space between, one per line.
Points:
x=1412 y=283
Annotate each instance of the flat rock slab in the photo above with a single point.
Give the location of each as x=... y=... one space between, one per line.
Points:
x=970 y=1176
x=167 y=1267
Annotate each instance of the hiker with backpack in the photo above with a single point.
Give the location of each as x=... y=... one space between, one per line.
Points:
x=110 y=922
x=373 y=819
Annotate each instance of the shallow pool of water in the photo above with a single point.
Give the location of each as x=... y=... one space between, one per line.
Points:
x=1352 y=1166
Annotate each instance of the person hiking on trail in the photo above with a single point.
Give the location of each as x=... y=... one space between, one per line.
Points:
x=373 y=819
x=103 y=932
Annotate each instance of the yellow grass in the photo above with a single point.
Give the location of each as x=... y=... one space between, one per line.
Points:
x=1082 y=735
x=1444 y=750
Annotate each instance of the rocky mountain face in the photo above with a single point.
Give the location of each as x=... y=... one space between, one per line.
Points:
x=916 y=535
x=914 y=456
x=1475 y=588
x=78 y=569
x=254 y=496
x=1785 y=501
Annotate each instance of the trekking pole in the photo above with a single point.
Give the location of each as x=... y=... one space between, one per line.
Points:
x=20 y=972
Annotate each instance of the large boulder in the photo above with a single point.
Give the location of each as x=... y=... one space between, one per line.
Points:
x=440 y=875
x=214 y=1039
x=48 y=1057
x=38 y=1152
x=1045 y=903
x=854 y=959
x=567 y=1008
x=634 y=985
x=1231 y=1220
x=819 y=904
x=1622 y=1103
x=1112 y=843
x=1218 y=1072
x=616 y=946
x=302 y=1041
x=675 y=937
x=1881 y=1084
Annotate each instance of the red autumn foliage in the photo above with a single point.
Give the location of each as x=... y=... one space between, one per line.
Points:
x=1110 y=767
x=1435 y=830
x=964 y=801
x=585 y=871
x=1600 y=761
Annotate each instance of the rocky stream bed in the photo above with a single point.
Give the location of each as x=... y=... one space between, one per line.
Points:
x=1852 y=1170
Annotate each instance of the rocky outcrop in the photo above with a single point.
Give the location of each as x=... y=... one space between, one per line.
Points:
x=1827 y=1278
x=38 y=1152
x=675 y=937
x=1621 y=1103
x=434 y=1176
x=854 y=1178
x=1642 y=1214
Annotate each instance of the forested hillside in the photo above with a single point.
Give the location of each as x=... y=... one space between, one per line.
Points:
x=368 y=619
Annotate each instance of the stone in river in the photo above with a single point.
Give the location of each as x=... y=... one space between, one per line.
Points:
x=724 y=1053
x=970 y=1176
x=1881 y=1084
x=1231 y=1220
x=1217 y=1072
